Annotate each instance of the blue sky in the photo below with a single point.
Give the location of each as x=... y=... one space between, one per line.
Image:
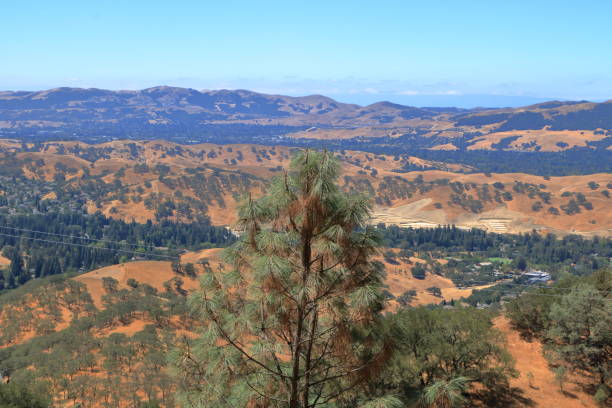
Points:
x=431 y=52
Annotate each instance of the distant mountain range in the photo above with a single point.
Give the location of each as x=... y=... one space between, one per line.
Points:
x=168 y=105
x=182 y=113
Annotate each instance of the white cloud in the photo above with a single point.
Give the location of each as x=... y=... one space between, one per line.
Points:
x=450 y=92
x=443 y=92
x=409 y=93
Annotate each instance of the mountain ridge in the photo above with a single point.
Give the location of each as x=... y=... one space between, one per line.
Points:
x=243 y=116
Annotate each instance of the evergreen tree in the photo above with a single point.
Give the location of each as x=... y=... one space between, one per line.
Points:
x=16 y=269
x=446 y=394
x=14 y=395
x=294 y=322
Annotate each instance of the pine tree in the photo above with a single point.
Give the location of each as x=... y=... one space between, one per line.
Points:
x=446 y=394
x=294 y=322
x=16 y=269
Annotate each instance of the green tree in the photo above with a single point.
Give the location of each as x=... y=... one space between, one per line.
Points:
x=293 y=323
x=521 y=263
x=446 y=393
x=14 y=395
x=441 y=344
x=16 y=268
x=581 y=330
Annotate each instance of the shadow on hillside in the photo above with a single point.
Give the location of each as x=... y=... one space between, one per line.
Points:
x=569 y=394
x=503 y=396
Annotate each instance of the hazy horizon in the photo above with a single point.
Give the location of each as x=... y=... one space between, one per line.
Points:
x=441 y=53
x=424 y=100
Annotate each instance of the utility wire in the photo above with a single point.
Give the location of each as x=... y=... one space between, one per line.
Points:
x=90 y=247
x=72 y=236
x=178 y=258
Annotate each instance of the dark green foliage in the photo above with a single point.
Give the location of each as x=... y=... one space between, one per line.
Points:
x=572 y=252
x=419 y=271
x=439 y=345
x=405 y=298
x=434 y=290
x=593 y=185
x=15 y=395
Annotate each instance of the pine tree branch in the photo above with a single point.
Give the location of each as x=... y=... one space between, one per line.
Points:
x=240 y=349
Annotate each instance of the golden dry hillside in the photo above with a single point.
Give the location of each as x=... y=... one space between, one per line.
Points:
x=536 y=382
x=154 y=180
x=55 y=308
x=52 y=307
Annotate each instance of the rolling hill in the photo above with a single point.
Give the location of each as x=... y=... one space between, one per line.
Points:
x=100 y=338
x=241 y=116
x=156 y=180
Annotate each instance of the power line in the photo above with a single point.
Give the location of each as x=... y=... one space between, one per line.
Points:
x=90 y=247
x=71 y=236
x=178 y=258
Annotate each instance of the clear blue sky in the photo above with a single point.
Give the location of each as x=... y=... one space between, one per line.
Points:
x=357 y=51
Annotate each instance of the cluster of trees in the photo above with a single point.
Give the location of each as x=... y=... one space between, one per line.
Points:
x=434 y=346
x=595 y=158
x=576 y=201
x=469 y=196
x=476 y=257
x=583 y=255
x=38 y=307
x=72 y=189
x=21 y=396
x=574 y=319
x=87 y=364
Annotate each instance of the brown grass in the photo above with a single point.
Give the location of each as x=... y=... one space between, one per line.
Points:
x=546 y=139
x=153 y=273
x=543 y=390
x=519 y=213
